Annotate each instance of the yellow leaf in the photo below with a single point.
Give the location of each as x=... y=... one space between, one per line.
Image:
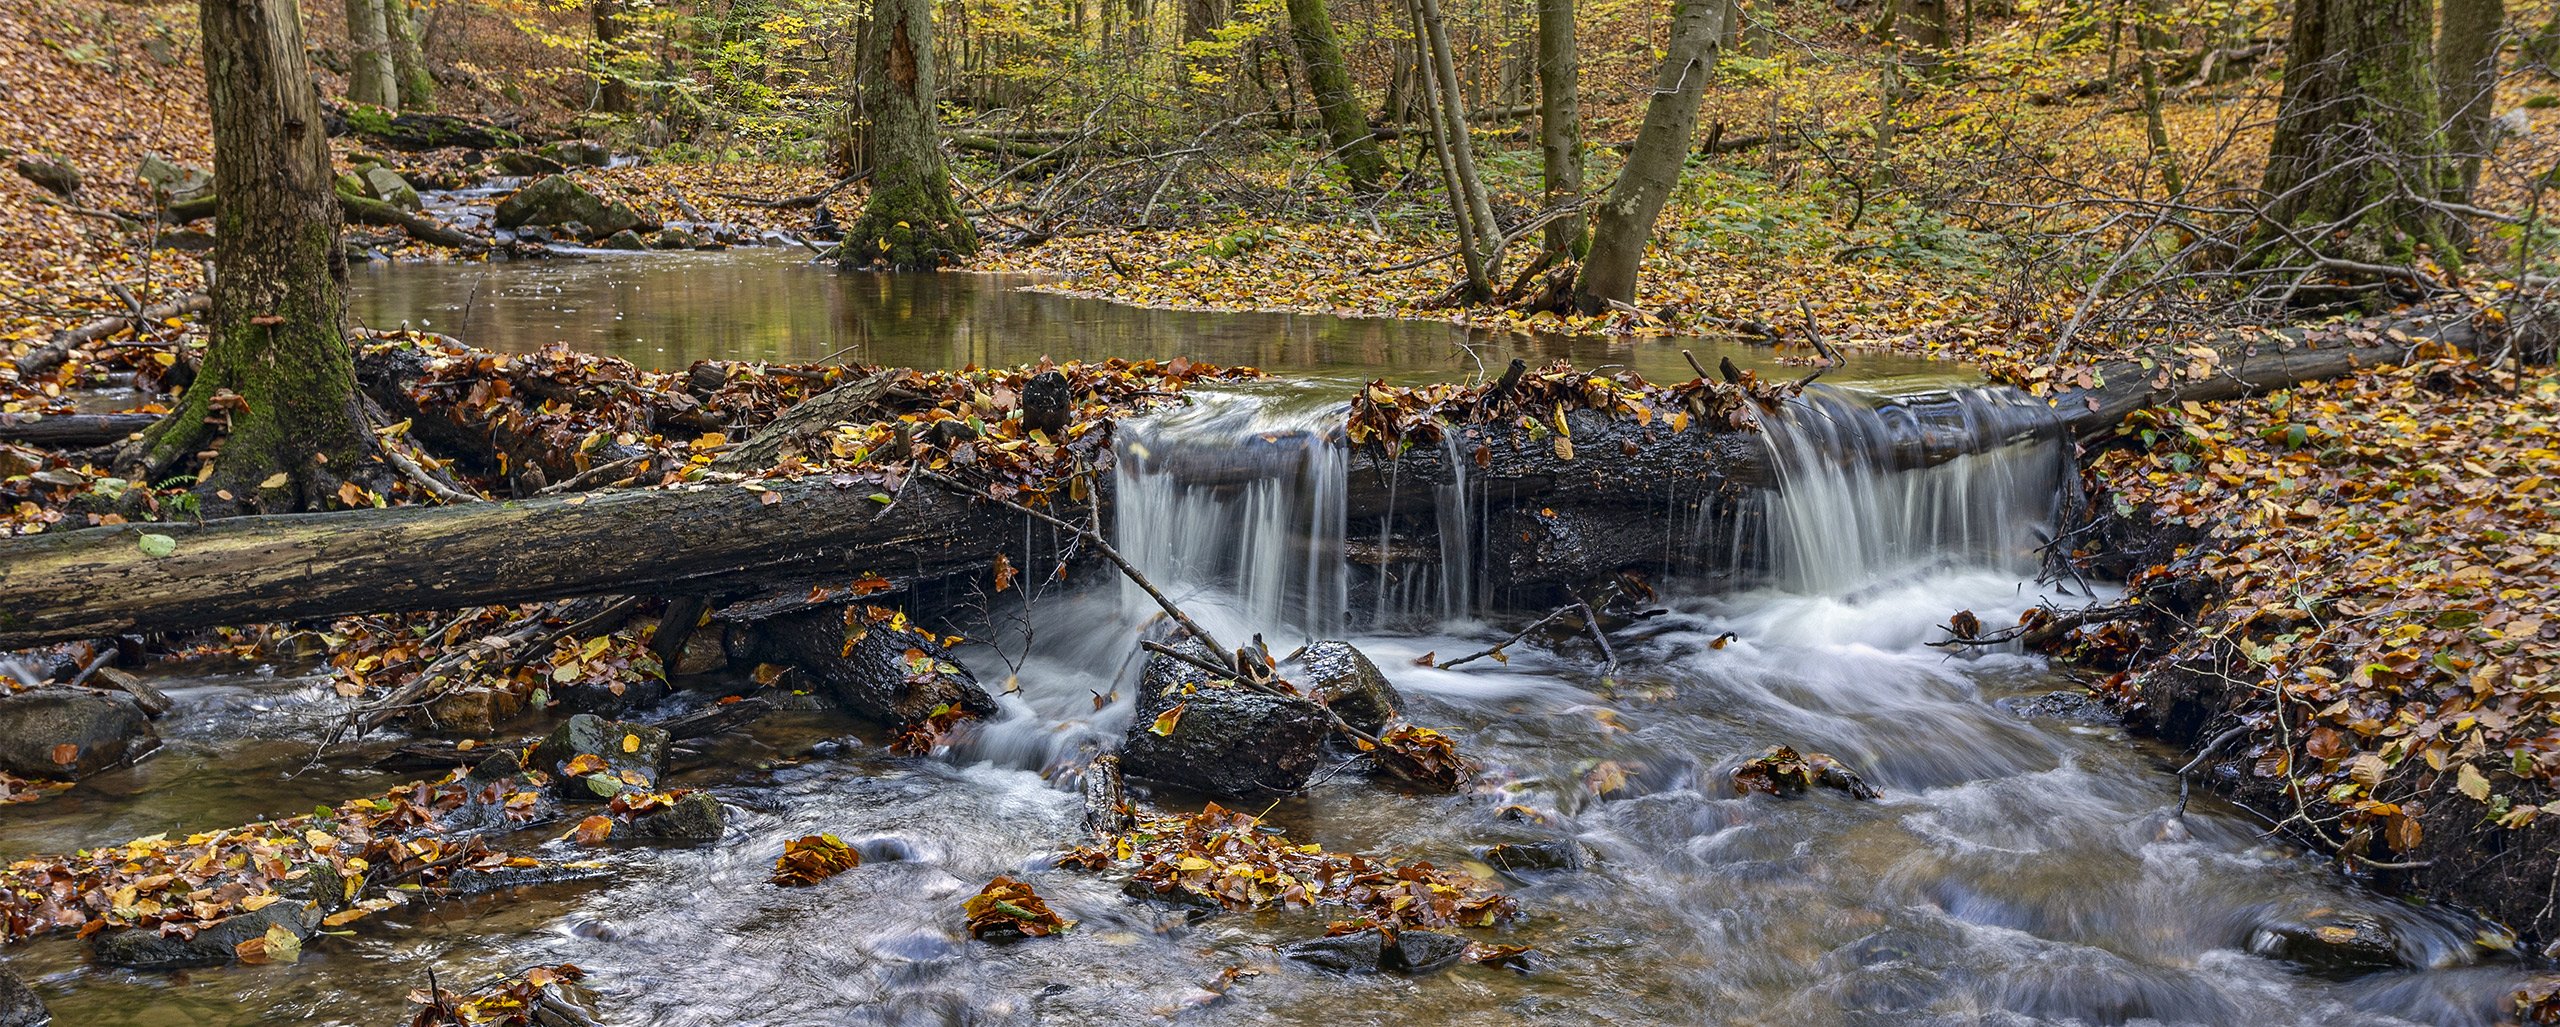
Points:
x=275 y=481
x=2472 y=782
x=1163 y=727
x=631 y=743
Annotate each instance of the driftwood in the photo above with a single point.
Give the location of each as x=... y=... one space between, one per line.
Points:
x=58 y=349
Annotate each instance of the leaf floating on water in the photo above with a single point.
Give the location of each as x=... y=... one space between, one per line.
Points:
x=593 y=830
x=1007 y=907
x=813 y=858
x=1163 y=727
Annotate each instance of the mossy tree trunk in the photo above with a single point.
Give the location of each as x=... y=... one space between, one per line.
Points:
x=911 y=221
x=2357 y=123
x=277 y=391
x=408 y=59
x=1560 y=122
x=2467 y=73
x=370 y=75
x=1329 y=78
x=1622 y=226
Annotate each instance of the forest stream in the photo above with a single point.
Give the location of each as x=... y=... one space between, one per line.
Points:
x=2026 y=862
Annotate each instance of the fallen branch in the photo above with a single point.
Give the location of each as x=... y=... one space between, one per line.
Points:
x=51 y=355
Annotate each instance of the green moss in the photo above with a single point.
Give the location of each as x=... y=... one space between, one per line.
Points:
x=367 y=119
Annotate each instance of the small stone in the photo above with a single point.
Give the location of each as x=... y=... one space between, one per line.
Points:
x=176 y=183
x=577 y=153
x=697 y=818
x=632 y=757
x=1415 y=953
x=1342 y=678
x=2332 y=943
x=143 y=948
x=66 y=735
x=153 y=701
x=1552 y=855
x=19 y=1005
x=526 y=165
x=673 y=239
x=386 y=185
x=624 y=240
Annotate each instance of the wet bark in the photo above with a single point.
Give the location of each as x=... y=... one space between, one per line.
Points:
x=1622 y=227
x=277 y=386
x=1329 y=78
x=911 y=221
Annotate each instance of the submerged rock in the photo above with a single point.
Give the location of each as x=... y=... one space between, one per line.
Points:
x=627 y=756
x=1412 y=953
x=143 y=948
x=1342 y=678
x=1228 y=740
x=19 y=1006
x=67 y=735
x=2068 y=706
x=1550 y=856
x=882 y=671
x=2333 y=943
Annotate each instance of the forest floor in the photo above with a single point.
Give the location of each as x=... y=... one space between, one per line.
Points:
x=2384 y=549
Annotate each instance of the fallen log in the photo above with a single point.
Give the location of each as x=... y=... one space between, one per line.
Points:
x=58 y=349
x=1626 y=495
x=369 y=211
x=726 y=539
x=72 y=431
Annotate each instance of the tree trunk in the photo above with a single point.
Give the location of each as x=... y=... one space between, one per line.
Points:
x=1560 y=123
x=1479 y=237
x=2357 y=121
x=371 y=77
x=408 y=59
x=911 y=222
x=613 y=95
x=2467 y=67
x=1921 y=28
x=1311 y=28
x=1623 y=225
x=277 y=375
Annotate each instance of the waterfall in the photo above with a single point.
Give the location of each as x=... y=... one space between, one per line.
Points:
x=1237 y=506
x=1868 y=490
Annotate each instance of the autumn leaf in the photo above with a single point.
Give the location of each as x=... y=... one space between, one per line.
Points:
x=2472 y=782
x=65 y=754
x=813 y=858
x=1163 y=727
x=593 y=830
x=1007 y=907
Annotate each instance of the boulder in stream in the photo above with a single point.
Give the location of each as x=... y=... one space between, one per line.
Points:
x=2332 y=943
x=556 y=199
x=145 y=948
x=577 y=152
x=624 y=240
x=1341 y=677
x=526 y=165
x=19 y=1006
x=1523 y=859
x=1412 y=953
x=673 y=239
x=696 y=818
x=386 y=185
x=595 y=759
x=1227 y=740
x=67 y=735
x=880 y=669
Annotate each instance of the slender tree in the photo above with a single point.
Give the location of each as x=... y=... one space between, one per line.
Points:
x=277 y=390
x=911 y=221
x=2357 y=145
x=1622 y=226
x=2467 y=74
x=1329 y=78
x=371 y=77
x=408 y=59
x=1479 y=237
x=1560 y=122
x=613 y=95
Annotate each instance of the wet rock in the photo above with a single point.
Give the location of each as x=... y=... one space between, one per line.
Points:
x=177 y=183
x=67 y=735
x=534 y=234
x=610 y=699
x=865 y=667
x=1341 y=677
x=673 y=239
x=1551 y=856
x=695 y=819
x=1228 y=741
x=152 y=701
x=386 y=185
x=1779 y=770
x=19 y=1006
x=2070 y=707
x=468 y=882
x=527 y=165
x=2332 y=943
x=633 y=755
x=1412 y=953
x=556 y=200
x=56 y=176
x=142 y=948
x=188 y=240
x=624 y=240
x=576 y=153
